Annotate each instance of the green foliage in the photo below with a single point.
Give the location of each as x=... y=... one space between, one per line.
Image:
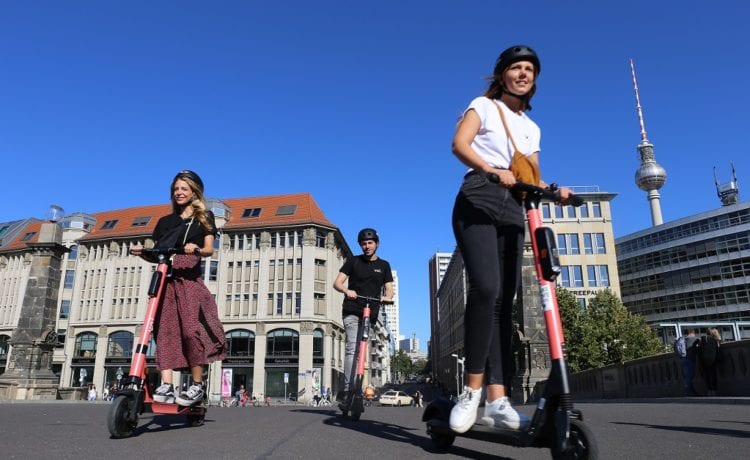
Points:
x=604 y=333
x=401 y=364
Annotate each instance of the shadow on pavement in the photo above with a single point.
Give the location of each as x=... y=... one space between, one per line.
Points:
x=693 y=429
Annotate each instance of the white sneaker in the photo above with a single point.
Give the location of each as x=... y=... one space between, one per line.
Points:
x=464 y=413
x=164 y=394
x=500 y=414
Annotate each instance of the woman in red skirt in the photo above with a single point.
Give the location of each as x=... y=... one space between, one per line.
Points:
x=187 y=330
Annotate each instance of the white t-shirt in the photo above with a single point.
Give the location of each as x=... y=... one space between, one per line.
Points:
x=491 y=142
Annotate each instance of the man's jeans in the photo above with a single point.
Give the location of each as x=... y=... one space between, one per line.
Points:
x=351 y=326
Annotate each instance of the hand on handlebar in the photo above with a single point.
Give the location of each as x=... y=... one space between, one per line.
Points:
x=351 y=295
x=505 y=177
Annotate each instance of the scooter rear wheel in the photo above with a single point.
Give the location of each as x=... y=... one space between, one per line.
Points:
x=583 y=442
x=356 y=409
x=118 y=421
x=196 y=420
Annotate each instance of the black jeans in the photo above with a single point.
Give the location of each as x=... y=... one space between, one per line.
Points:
x=492 y=252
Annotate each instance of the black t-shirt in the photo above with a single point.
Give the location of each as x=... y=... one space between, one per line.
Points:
x=367 y=278
x=167 y=228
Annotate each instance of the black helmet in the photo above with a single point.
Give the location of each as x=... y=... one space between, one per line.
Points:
x=368 y=234
x=515 y=54
x=188 y=174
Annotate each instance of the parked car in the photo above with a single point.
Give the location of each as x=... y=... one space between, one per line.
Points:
x=395 y=398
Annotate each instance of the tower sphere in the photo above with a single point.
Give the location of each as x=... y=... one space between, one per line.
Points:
x=650 y=176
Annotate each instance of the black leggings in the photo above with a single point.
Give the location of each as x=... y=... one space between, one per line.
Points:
x=492 y=255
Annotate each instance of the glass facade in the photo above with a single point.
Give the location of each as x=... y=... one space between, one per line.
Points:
x=692 y=269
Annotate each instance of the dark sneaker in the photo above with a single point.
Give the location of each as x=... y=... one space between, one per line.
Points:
x=192 y=396
x=341 y=396
x=164 y=394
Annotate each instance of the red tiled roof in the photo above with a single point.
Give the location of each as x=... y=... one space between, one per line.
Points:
x=16 y=243
x=125 y=219
x=307 y=211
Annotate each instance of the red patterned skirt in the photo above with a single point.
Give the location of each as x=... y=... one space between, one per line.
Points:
x=188 y=331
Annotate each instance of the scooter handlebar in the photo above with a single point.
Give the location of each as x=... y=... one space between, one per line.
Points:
x=374 y=300
x=152 y=254
x=552 y=193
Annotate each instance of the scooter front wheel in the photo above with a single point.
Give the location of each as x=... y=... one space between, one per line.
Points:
x=119 y=420
x=442 y=442
x=582 y=441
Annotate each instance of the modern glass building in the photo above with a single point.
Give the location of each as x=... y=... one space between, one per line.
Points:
x=692 y=271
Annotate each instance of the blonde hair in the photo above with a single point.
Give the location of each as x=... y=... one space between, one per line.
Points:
x=715 y=333
x=198 y=203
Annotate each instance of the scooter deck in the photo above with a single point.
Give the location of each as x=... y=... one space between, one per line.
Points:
x=507 y=436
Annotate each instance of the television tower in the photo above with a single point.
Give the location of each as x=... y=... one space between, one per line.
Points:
x=650 y=176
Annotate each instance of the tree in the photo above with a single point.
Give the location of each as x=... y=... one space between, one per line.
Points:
x=401 y=364
x=604 y=333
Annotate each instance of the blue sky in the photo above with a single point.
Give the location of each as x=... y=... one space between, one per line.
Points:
x=356 y=103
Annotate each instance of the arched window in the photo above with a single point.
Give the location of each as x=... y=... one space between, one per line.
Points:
x=317 y=343
x=85 y=345
x=240 y=343
x=120 y=344
x=282 y=342
x=73 y=254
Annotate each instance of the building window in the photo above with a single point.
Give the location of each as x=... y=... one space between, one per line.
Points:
x=570 y=211
x=282 y=342
x=320 y=239
x=572 y=276
x=599 y=247
x=583 y=210
x=558 y=211
x=4 y=345
x=318 y=343
x=213 y=269
x=69 y=277
x=546 y=214
x=581 y=303
x=286 y=210
x=593 y=243
x=73 y=253
x=240 y=343
x=320 y=270
x=319 y=303
x=64 y=309
x=120 y=344
x=250 y=213
x=141 y=221
x=297 y=303
x=567 y=243
x=598 y=275
x=109 y=224
x=85 y=346
x=279 y=304
x=28 y=236
x=596 y=209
